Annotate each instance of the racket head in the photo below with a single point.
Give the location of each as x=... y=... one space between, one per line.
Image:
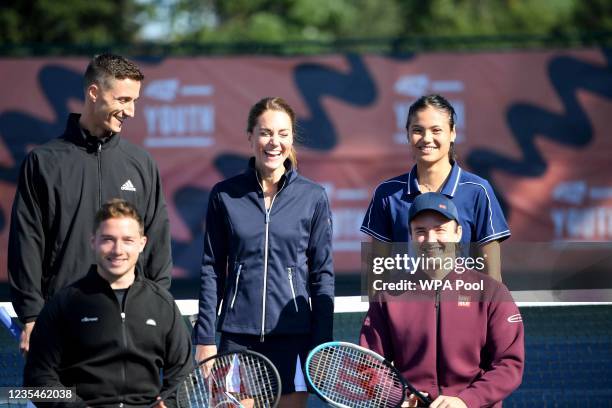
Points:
x=232 y=379
x=349 y=376
x=7 y=322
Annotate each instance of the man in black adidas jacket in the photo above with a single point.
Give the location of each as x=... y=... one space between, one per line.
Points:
x=110 y=333
x=65 y=181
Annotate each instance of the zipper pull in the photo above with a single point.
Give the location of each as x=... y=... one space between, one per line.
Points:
x=122 y=317
x=267 y=216
x=99 y=147
x=290 y=275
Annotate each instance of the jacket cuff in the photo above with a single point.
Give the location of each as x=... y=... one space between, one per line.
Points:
x=28 y=319
x=204 y=340
x=470 y=398
x=318 y=340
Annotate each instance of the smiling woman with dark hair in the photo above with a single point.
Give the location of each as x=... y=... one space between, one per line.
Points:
x=431 y=135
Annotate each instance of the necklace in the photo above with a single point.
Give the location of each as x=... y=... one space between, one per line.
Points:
x=427 y=189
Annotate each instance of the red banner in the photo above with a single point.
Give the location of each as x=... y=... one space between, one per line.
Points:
x=532 y=123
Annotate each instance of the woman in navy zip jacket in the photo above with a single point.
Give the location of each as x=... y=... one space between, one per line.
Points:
x=267 y=269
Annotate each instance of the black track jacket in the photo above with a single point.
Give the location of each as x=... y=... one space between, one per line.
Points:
x=83 y=339
x=61 y=186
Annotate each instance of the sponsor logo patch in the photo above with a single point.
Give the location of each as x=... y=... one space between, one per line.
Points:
x=516 y=318
x=464 y=301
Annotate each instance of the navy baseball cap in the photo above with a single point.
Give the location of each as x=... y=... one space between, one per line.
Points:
x=433 y=202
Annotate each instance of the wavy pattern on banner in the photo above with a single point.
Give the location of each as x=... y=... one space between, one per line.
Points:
x=315 y=81
x=20 y=130
x=572 y=127
x=191 y=204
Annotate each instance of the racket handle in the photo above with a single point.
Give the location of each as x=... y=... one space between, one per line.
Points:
x=425 y=399
x=419 y=395
x=9 y=324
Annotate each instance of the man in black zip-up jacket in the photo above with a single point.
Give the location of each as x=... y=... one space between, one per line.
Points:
x=63 y=183
x=109 y=334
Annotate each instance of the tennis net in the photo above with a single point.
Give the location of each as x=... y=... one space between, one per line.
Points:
x=568 y=351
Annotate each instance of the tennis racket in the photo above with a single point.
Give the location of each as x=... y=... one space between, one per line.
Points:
x=9 y=324
x=15 y=331
x=243 y=379
x=349 y=376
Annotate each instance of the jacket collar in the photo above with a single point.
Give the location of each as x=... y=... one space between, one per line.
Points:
x=82 y=138
x=93 y=277
x=288 y=177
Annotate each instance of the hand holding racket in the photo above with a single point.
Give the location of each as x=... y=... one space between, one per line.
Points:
x=349 y=376
x=242 y=379
x=21 y=335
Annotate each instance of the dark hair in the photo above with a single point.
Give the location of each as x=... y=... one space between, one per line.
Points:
x=118 y=208
x=440 y=103
x=277 y=104
x=105 y=66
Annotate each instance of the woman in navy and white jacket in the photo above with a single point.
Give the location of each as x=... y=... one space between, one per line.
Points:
x=267 y=269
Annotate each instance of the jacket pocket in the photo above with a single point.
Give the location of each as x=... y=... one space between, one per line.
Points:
x=292 y=276
x=236 y=286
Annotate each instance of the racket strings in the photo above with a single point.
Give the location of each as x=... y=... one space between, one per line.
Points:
x=194 y=392
x=231 y=380
x=350 y=377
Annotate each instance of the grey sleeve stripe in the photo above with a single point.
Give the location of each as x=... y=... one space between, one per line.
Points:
x=456 y=182
x=374 y=234
x=489 y=202
x=494 y=237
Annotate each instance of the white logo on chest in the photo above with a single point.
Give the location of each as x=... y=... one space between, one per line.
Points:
x=128 y=186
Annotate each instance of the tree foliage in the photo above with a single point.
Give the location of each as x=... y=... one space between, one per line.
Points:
x=479 y=17
x=79 y=22
x=288 y=20
x=281 y=20
x=119 y=22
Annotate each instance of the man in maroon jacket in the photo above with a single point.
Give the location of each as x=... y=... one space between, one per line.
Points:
x=460 y=341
